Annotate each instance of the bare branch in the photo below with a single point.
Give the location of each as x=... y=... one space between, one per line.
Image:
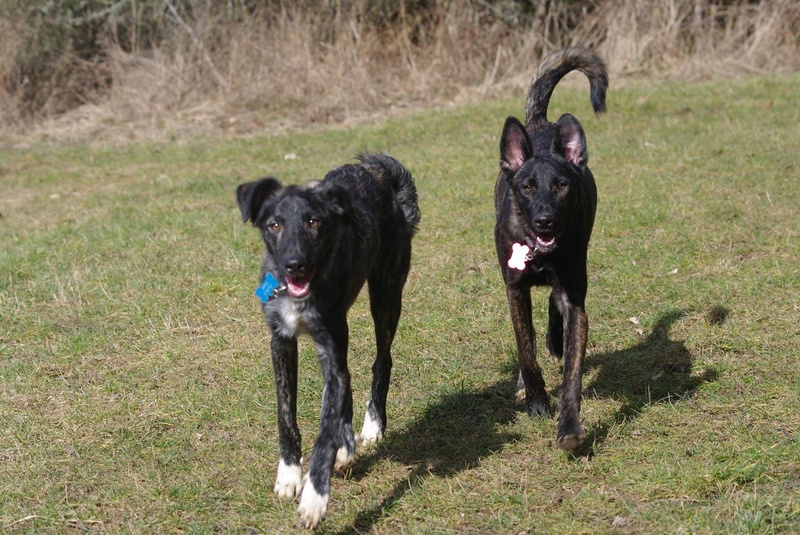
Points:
x=220 y=79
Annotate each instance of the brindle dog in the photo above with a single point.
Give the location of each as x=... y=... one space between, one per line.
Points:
x=545 y=202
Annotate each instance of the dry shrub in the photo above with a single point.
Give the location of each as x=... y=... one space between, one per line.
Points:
x=10 y=44
x=327 y=61
x=49 y=68
x=692 y=39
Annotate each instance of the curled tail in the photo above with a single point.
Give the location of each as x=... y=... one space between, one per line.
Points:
x=402 y=184
x=554 y=68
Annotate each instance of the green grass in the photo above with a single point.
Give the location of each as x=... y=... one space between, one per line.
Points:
x=136 y=392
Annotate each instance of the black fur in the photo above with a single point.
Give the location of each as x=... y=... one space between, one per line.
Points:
x=545 y=198
x=323 y=242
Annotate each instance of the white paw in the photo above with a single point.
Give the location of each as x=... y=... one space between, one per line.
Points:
x=371 y=432
x=344 y=460
x=313 y=507
x=289 y=482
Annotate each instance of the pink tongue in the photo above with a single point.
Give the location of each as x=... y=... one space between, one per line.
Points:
x=545 y=243
x=298 y=287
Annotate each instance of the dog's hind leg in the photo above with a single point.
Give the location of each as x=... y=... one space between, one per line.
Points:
x=530 y=386
x=555 y=331
x=385 y=298
x=346 y=442
x=288 y=482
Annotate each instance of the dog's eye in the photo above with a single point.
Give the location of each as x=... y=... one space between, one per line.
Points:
x=274 y=226
x=562 y=186
x=313 y=222
x=527 y=188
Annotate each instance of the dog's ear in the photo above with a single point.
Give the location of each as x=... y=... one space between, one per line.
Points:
x=569 y=141
x=515 y=146
x=252 y=195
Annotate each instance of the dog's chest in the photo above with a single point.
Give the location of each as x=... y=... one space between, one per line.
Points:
x=289 y=317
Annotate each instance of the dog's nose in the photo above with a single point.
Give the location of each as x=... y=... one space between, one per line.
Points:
x=295 y=265
x=544 y=222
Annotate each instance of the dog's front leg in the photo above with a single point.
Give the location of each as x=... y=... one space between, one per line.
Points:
x=289 y=480
x=570 y=433
x=335 y=444
x=530 y=386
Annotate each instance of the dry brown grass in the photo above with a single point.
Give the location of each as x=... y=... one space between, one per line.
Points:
x=10 y=42
x=274 y=69
x=690 y=39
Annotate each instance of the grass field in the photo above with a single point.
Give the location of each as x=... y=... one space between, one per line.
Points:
x=136 y=390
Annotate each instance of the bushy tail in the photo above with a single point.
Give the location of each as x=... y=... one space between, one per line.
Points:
x=402 y=184
x=554 y=68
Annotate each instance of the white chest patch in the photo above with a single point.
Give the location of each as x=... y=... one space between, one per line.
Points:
x=292 y=315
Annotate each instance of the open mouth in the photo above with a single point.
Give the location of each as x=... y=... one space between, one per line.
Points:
x=544 y=242
x=298 y=287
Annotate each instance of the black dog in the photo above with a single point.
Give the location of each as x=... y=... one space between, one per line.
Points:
x=323 y=242
x=545 y=201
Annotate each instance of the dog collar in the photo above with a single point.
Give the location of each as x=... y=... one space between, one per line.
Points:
x=520 y=254
x=269 y=288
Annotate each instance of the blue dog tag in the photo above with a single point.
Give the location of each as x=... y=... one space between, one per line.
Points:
x=267 y=288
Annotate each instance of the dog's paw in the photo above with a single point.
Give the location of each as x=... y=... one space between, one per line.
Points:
x=313 y=507
x=345 y=458
x=539 y=409
x=535 y=408
x=571 y=441
x=555 y=348
x=371 y=431
x=289 y=481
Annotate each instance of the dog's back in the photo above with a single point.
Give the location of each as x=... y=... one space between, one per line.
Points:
x=383 y=187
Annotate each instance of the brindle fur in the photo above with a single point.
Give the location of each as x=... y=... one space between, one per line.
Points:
x=546 y=197
x=354 y=226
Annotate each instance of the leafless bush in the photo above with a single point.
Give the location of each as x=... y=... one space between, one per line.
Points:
x=700 y=39
x=241 y=64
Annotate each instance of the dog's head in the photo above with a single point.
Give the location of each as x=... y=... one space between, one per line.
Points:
x=546 y=186
x=299 y=225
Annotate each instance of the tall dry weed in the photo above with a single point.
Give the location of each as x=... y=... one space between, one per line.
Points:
x=290 y=64
x=10 y=44
x=693 y=39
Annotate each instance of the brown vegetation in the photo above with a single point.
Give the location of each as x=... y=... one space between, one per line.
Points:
x=162 y=66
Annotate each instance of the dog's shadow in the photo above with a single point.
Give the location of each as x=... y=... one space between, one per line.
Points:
x=462 y=427
x=656 y=370
x=454 y=433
